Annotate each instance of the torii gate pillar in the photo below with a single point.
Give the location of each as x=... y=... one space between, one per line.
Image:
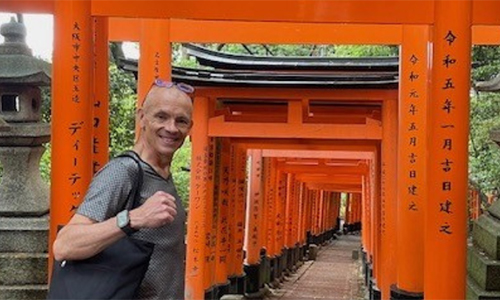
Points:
x=412 y=157
x=446 y=211
x=71 y=111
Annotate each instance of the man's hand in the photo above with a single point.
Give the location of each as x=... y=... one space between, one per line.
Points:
x=157 y=211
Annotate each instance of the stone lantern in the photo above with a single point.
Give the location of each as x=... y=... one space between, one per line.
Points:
x=24 y=197
x=22 y=135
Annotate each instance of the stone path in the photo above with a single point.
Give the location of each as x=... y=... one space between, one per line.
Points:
x=333 y=275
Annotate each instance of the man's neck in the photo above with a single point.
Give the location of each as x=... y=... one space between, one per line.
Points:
x=160 y=163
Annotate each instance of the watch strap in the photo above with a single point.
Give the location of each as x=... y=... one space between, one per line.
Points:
x=128 y=229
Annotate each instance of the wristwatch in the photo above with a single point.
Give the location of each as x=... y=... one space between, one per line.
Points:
x=123 y=222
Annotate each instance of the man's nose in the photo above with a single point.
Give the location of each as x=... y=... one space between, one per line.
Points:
x=170 y=126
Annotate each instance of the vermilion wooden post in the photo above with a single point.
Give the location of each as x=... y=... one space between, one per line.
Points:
x=446 y=219
x=335 y=212
x=296 y=219
x=289 y=211
x=319 y=203
x=313 y=218
x=366 y=220
x=239 y=218
x=211 y=219
x=264 y=206
x=354 y=213
x=412 y=157
x=388 y=197
x=300 y=225
x=253 y=210
x=253 y=221
x=270 y=195
x=366 y=226
x=281 y=220
x=71 y=164
x=211 y=288
x=347 y=218
x=222 y=234
x=356 y=208
x=100 y=82
x=231 y=219
x=321 y=219
x=273 y=215
x=323 y=213
x=376 y=230
x=308 y=215
x=200 y=203
x=360 y=211
x=330 y=222
x=353 y=209
x=155 y=54
x=333 y=219
x=336 y=215
x=292 y=240
x=317 y=211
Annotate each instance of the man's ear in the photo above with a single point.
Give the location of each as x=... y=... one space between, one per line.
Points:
x=140 y=115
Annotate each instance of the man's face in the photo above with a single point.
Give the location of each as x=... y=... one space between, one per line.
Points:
x=166 y=120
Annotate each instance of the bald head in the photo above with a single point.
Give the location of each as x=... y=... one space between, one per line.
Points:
x=157 y=95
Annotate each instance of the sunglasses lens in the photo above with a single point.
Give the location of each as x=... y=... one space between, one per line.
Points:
x=161 y=83
x=185 y=88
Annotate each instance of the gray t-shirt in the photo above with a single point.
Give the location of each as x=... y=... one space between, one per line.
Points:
x=106 y=197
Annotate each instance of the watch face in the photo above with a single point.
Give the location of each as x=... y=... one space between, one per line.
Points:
x=122 y=219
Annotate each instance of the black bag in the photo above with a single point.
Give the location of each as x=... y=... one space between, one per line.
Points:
x=114 y=273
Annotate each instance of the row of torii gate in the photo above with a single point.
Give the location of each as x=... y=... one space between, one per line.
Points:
x=409 y=165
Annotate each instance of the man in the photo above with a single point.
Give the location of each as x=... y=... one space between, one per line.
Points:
x=165 y=121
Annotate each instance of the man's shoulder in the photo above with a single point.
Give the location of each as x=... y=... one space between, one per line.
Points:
x=120 y=164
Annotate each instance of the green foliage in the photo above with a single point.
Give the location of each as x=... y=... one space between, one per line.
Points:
x=45 y=163
x=487 y=61
x=46 y=117
x=269 y=50
x=46 y=104
x=483 y=153
x=122 y=106
x=365 y=51
x=307 y=50
x=179 y=168
x=484 y=116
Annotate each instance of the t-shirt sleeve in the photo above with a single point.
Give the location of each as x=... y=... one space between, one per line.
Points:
x=109 y=190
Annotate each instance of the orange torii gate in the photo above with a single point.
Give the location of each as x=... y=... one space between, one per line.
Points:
x=446 y=25
x=221 y=124
x=333 y=182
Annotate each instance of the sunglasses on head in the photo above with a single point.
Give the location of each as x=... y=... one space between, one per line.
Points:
x=186 y=88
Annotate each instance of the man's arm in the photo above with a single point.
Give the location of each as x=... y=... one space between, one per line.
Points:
x=83 y=237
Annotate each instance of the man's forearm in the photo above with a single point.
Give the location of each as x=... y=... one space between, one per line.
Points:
x=79 y=241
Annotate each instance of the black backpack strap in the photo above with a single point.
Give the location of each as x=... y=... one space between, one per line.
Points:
x=137 y=184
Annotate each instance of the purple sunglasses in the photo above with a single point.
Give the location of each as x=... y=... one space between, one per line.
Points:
x=186 y=88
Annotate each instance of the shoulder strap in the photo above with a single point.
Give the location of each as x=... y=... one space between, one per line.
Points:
x=137 y=184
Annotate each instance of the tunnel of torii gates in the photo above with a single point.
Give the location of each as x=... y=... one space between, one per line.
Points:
x=407 y=170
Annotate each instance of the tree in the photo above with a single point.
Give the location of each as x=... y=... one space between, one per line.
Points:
x=484 y=116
